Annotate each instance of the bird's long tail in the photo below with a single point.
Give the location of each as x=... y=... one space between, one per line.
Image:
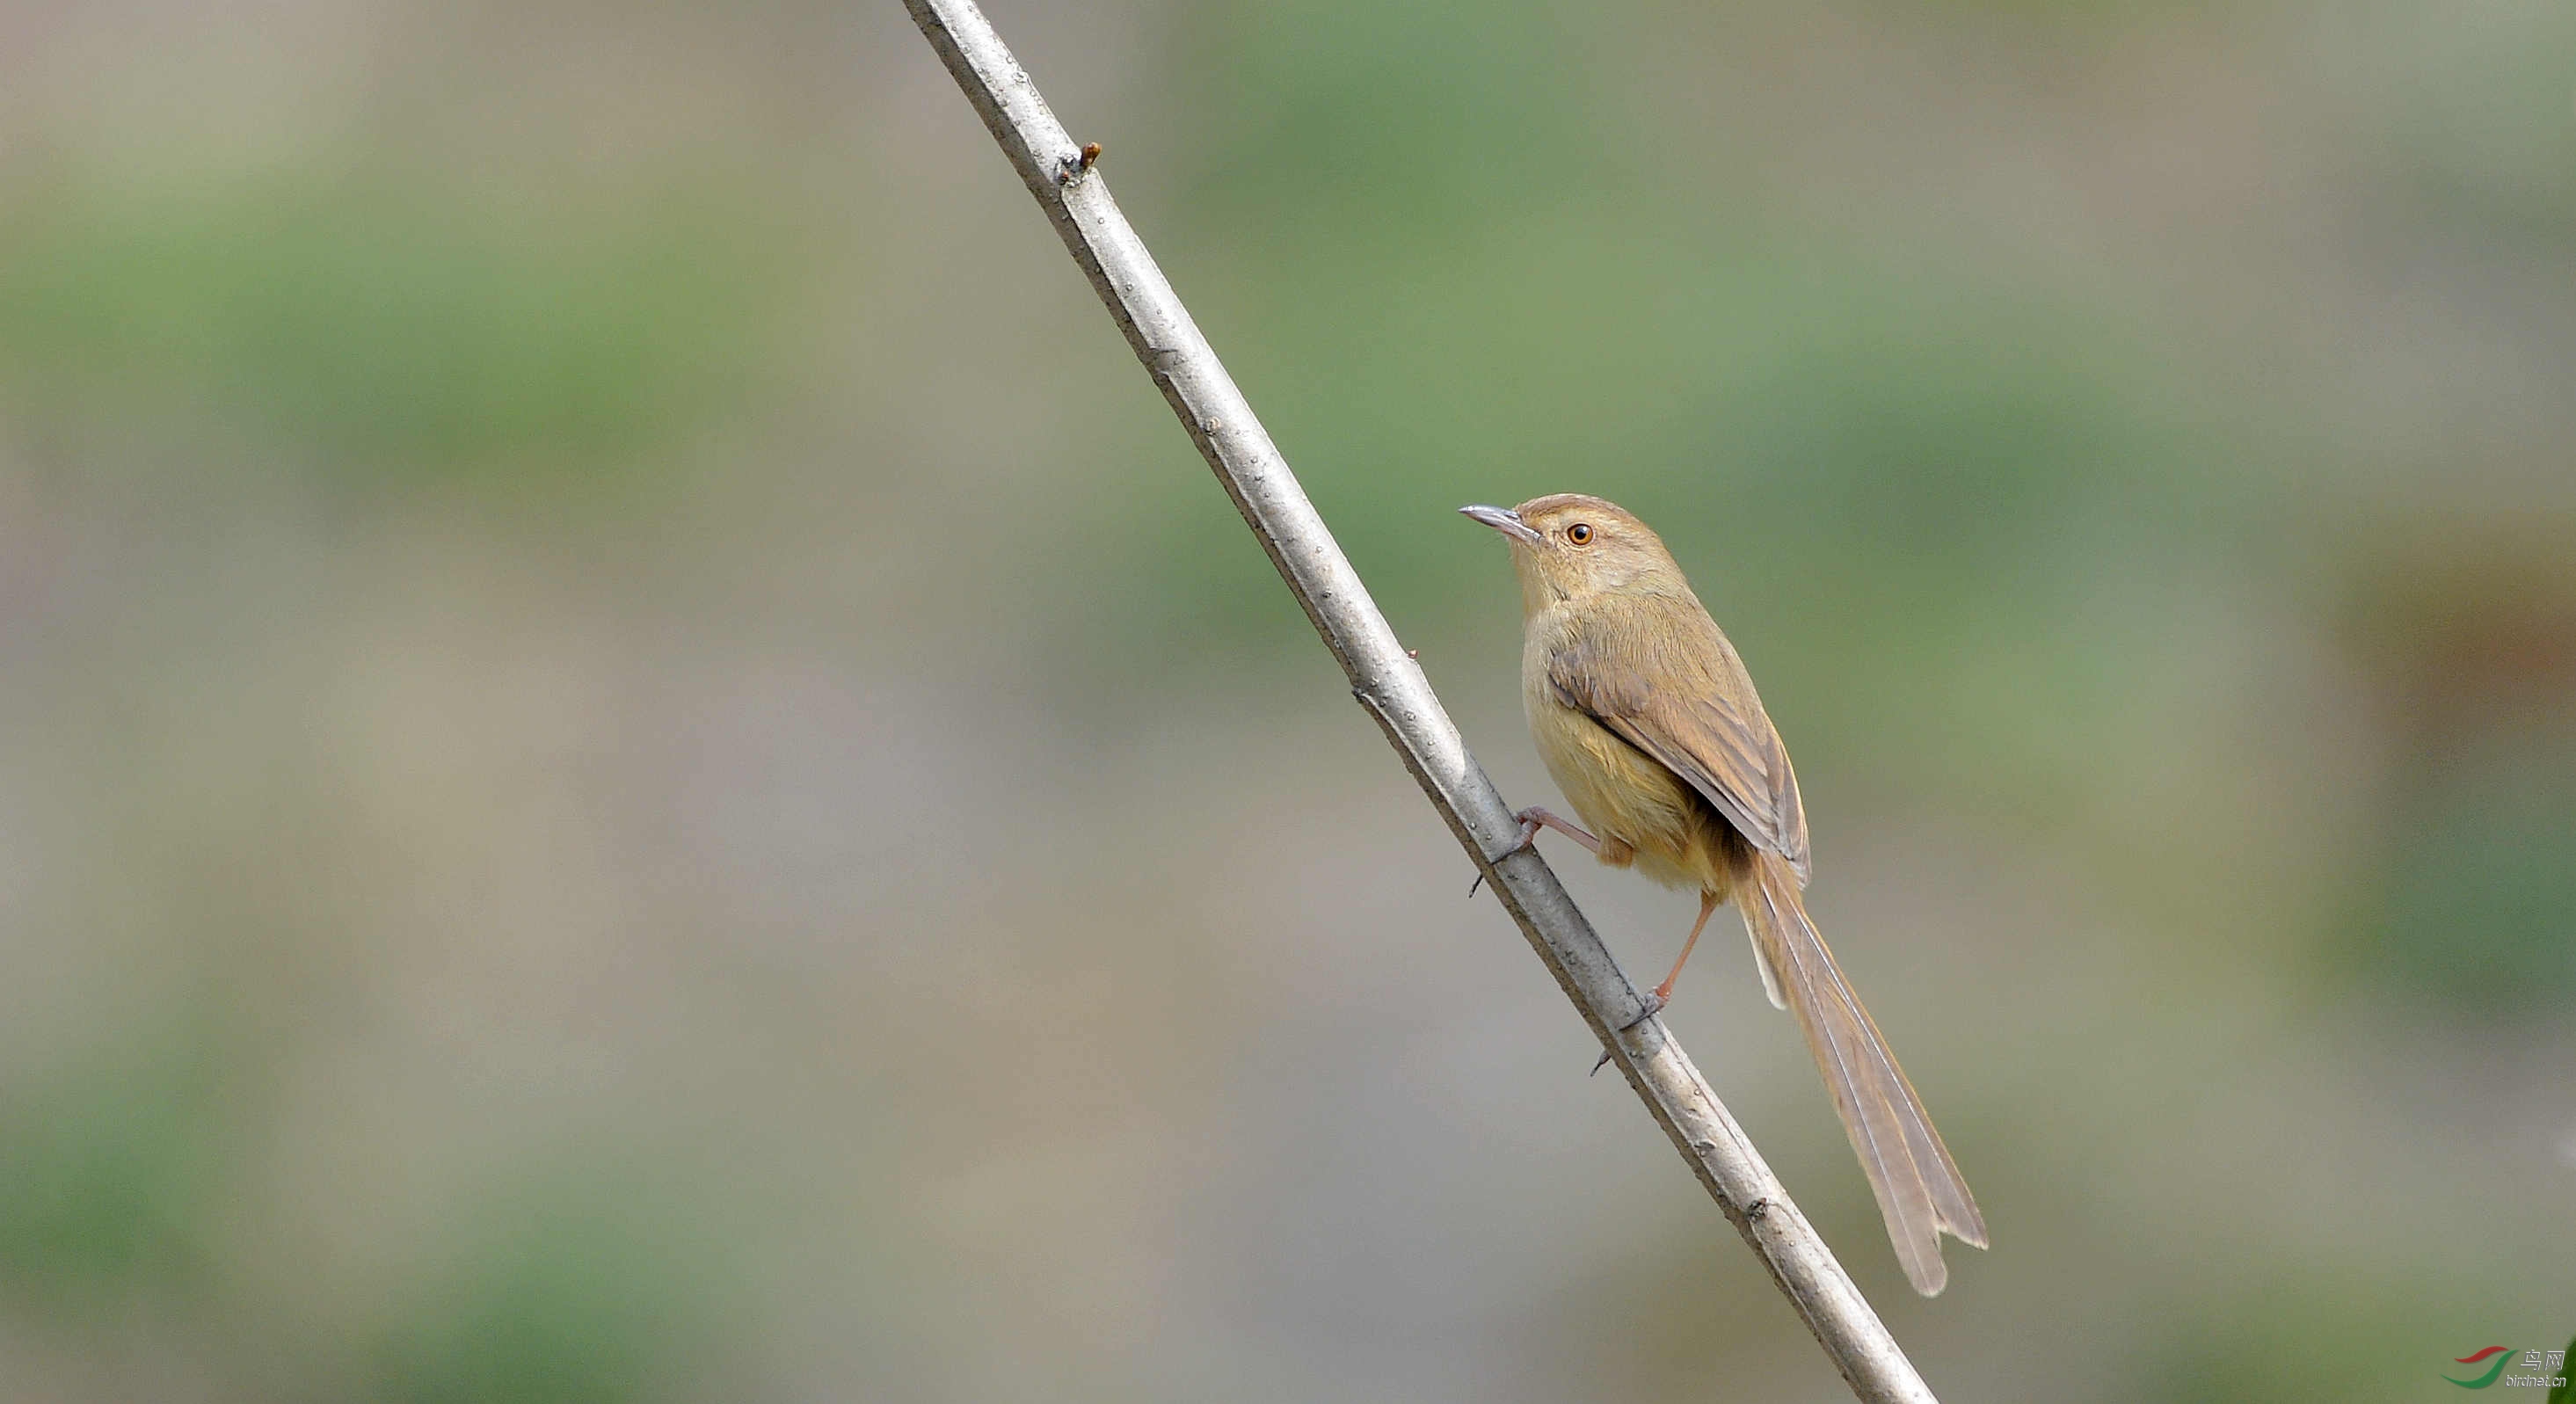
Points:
x=1918 y=1187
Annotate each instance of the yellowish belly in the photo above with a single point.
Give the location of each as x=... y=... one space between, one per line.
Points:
x=1623 y=795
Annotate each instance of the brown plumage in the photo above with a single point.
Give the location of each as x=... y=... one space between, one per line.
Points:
x=1649 y=724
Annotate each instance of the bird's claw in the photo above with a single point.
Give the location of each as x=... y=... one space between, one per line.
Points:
x=1649 y=1005
x=1528 y=840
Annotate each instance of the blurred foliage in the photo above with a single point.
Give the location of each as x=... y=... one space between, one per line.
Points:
x=2469 y=637
x=2478 y=116
x=2296 y=1337
x=1403 y=116
x=390 y=319
x=106 y=1174
x=2482 y=881
x=581 y=1293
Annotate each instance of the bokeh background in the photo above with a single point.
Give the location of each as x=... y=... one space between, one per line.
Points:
x=636 y=765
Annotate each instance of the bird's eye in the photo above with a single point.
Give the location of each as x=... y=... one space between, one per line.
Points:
x=1580 y=534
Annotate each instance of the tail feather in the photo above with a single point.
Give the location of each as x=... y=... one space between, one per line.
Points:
x=1920 y=1192
x=1762 y=962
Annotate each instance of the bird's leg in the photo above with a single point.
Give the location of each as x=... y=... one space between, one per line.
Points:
x=1532 y=820
x=1662 y=994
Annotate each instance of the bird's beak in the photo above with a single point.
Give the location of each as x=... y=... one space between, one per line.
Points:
x=1506 y=521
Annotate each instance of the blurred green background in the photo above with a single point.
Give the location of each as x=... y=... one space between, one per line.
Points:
x=636 y=764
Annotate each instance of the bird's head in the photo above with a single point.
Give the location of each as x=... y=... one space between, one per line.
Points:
x=1568 y=545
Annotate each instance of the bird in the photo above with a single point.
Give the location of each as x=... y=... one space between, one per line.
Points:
x=1649 y=724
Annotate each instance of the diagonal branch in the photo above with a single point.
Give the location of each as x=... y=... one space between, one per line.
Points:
x=1391 y=686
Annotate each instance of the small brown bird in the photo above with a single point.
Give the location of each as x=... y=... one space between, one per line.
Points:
x=1648 y=722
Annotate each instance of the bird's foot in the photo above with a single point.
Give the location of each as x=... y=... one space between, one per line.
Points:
x=1532 y=820
x=1529 y=839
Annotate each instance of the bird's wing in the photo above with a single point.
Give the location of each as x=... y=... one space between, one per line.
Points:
x=1703 y=722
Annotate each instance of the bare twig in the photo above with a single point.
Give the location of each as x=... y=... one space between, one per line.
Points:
x=1068 y=185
